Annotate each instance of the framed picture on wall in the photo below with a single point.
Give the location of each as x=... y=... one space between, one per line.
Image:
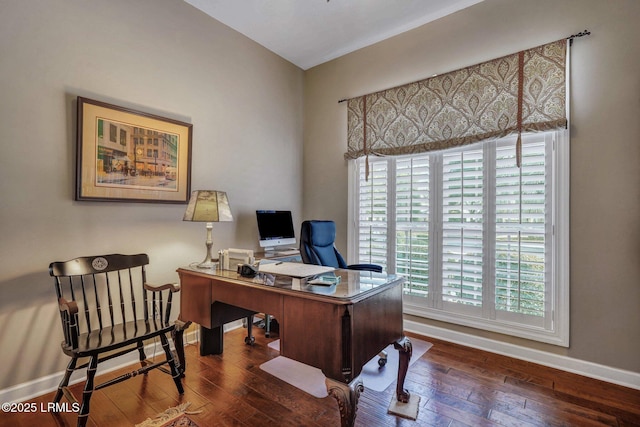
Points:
x=125 y=155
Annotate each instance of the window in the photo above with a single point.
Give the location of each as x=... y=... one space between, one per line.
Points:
x=113 y=130
x=480 y=241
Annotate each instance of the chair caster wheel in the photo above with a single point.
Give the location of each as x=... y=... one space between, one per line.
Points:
x=249 y=340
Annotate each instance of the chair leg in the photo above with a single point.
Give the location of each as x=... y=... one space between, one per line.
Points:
x=382 y=361
x=172 y=363
x=88 y=390
x=250 y=339
x=65 y=380
x=267 y=325
x=178 y=341
x=143 y=356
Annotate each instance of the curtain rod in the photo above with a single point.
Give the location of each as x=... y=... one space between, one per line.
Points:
x=570 y=38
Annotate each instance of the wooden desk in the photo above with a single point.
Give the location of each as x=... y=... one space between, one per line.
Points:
x=286 y=256
x=350 y=322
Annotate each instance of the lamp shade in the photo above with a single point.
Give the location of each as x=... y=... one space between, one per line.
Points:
x=208 y=206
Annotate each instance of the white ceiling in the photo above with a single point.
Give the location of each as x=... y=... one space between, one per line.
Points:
x=310 y=32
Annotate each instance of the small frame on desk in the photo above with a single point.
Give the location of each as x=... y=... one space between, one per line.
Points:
x=125 y=155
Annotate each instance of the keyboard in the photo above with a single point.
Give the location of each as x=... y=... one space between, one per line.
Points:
x=293 y=269
x=288 y=252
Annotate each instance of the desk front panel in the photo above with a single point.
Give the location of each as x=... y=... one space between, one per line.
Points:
x=341 y=339
x=311 y=333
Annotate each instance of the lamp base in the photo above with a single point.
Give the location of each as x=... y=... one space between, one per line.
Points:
x=208 y=264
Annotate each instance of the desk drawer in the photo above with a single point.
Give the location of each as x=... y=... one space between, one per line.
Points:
x=250 y=298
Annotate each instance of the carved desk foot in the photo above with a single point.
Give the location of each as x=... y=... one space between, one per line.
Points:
x=405 y=350
x=347 y=396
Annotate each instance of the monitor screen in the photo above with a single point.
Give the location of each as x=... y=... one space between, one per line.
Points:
x=275 y=228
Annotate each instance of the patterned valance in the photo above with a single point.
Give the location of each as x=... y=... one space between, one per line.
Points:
x=524 y=91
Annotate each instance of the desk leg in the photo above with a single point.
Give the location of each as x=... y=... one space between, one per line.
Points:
x=347 y=396
x=405 y=349
x=211 y=340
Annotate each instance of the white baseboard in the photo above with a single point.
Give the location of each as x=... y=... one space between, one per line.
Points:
x=580 y=367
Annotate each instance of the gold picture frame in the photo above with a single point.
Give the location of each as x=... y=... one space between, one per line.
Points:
x=125 y=155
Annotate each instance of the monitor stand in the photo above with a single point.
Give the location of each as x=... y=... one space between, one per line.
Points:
x=276 y=251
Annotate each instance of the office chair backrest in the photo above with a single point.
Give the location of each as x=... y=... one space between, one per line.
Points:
x=317 y=240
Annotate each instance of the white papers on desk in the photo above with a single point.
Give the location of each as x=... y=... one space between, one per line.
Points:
x=293 y=269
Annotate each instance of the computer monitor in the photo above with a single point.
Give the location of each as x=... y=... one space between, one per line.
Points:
x=275 y=229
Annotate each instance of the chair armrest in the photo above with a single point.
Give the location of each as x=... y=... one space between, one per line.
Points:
x=163 y=309
x=173 y=287
x=366 y=267
x=69 y=315
x=70 y=307
x=181 y=325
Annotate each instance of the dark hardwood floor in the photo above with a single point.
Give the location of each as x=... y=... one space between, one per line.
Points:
x=459 y=386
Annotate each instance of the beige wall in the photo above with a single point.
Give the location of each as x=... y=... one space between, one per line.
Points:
x=246 y=104
x=605 y=149
x=161 y=56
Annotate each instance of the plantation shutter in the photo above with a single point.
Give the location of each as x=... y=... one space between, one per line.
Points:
x=479 y=240
x=521 y=242
x=372 y=217
x=412 y=222
x=462 y=226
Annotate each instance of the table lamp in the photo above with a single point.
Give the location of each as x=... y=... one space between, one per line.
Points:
x=208 y=206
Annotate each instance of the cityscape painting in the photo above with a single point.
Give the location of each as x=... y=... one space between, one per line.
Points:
x=127 y=155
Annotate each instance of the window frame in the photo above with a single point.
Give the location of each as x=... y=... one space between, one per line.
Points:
x=555 y=328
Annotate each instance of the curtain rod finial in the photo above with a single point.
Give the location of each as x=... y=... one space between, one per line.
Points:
x=580 y=34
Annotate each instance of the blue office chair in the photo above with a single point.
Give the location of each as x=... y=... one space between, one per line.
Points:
x=317 y=240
